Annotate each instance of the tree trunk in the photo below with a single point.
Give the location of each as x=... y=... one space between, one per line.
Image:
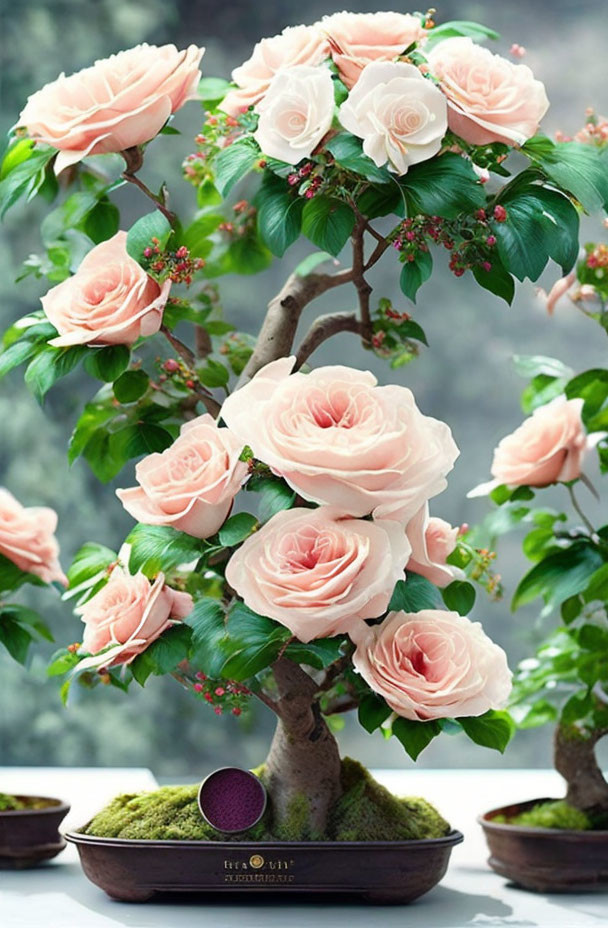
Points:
x=304 y=759
x=574 y=758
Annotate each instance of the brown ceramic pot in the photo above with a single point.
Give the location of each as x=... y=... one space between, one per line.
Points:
x=377 y=871
x=546 y=859
x=29 y=836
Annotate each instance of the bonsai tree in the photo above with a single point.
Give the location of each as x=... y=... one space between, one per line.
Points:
x=566 y=681
x=323 y=590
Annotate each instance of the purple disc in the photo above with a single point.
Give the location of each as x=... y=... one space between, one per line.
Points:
x=231 y=799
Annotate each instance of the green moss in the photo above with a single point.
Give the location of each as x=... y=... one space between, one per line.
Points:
x=556 y=814
x=366 y=811
x=10 y=803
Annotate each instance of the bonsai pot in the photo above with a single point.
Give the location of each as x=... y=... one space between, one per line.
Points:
x=381 y=872
x=546 y=859
x=30 y=835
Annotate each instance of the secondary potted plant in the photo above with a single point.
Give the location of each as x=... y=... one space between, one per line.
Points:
x=28 y=554
x=560 y=844
x=303 y=603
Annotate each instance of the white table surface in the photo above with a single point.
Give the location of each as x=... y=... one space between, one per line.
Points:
x=57 y=895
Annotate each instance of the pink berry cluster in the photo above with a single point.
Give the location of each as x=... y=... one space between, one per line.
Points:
x=178 y=372
x=223 y=695
x=177 y=265
x=594 y=132
x=469 y=239
x=598 y=258
x=308 y=179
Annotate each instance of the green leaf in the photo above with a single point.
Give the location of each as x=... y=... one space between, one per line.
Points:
x=107 y=363
x=411 y=329
x=30 y=619
x=540 y=224
x=196 y=236
x=328 y=223
x=415 y=273
x=89 y=562
x=23 y=177
x=62 y=662
x=102 y=222
x=160 y=547
x=141 y=233
x=211 y=90
x=494 y=729
x=15 y=638
x=253 y=643
x=456 y=28
x=372 y=712
x=11 y=577
x=49 y=366
x=15 y=355
x=414 y=594
x=133 y=441
x=381 y=200
x=164 y=654
x=319 y=653
x=279 y=214
x=581 y=170
x=415 y=736
x=213 y=374
x=444 y=186
x=348 y=153
x=530 y=365
x=497 y=280
x=208 y=623
x=233 y=162
x=309 y=264
x=237 y=529
x=19 y=150
x=131 y=386
x=69 y=215
x=274 y=496
x=558 y=576
x=459 y=596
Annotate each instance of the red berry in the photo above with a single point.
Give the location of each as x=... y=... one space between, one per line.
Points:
x=487 y=265
x=480 y=214
x=190 y=384
x=171 y=365
x=500 y=213
x=491 y=240
x=198 y=687
x=236 y=711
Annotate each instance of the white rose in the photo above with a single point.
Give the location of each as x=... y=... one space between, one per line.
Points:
x=400 y=115
x=296 y=113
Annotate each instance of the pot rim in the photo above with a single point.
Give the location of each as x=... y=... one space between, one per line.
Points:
x=557 y=833
x=453 y=838
x=60 y=805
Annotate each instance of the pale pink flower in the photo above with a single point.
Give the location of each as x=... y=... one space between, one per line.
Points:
x=27 y=538
x=432 y=540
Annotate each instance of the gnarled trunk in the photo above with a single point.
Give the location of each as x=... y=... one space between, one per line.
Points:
x=574 y=758
x=304 y=760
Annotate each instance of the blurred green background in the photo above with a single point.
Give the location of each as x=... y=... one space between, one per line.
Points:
x=466 y=377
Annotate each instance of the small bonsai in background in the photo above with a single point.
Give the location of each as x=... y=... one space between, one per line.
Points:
x=566 y=682
x=324 y=590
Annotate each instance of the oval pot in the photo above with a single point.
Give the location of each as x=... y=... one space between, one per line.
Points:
x=29 y=836
x=380 y=872
x=546 y=859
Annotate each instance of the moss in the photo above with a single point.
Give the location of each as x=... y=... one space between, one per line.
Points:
x=366 y=811
x=556 y=814
x=10 y=803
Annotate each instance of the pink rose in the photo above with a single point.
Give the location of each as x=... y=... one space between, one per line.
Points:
x=432 y=541
x=27 y=538
x=126 y=616
x=400 y=115
x=356 y=39
x=547 y=447
x=119 y=102
x=296 y=113
x=432 y=665
x=490 y=98
x=338 y=438
x=191 y=485
x=296 y=45
x=317 y=572
x=110 y=300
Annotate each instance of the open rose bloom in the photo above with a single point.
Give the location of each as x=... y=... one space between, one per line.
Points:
x=340 y=439
x=432 y=541
x=318 y=572
x=27 y=538
x=432 y=665
x=126 y=616
x=109 y=301
x=119 y=102
x=191 y=485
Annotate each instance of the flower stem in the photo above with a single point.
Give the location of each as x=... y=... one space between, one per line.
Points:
x=579 y=511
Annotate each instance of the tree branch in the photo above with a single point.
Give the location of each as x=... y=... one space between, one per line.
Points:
x=363 y=288
x=344 y=703
x=284 y=310
x=134 y=160
x=209 y=402
x=323 y=328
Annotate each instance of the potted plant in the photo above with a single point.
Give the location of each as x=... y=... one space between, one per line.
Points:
x=560 y=844
x=28 y=554
x=348 y=132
